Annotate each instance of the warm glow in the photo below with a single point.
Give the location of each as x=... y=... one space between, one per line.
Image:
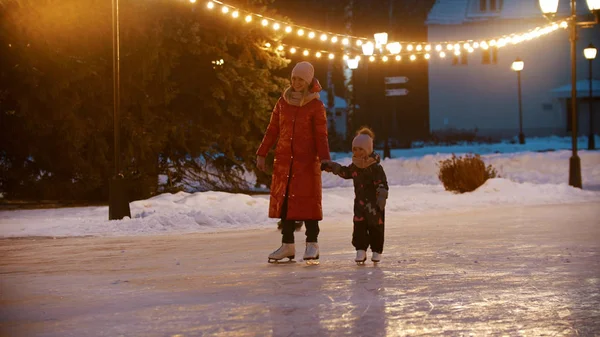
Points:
x=300 y=32
x=248 y=18
x=368 y=48
x=427 y=56
x=398 y=58
x=265 y=22
x=372 y=58
x=380 y=39
x=280 y=48
x=384 y=58
x=235 y=14
x=359 y=43
x=590 y=52
x=318 y=54
x=334 y=39
x=419 y=48
x=442 y=54
x=438 y=47
x=517 y=65
x=311 y=35
x=225 y=9
x=288 y=29
x=331 y=56
x=323 y=37
x=413 y=57
x=352 y=63
x=593 y=5
x=210 y=5
x=293 y=50
x=345 y=41
x=305 y=53
x=549 y=6
x=427 y=48
x=276 y=26
x=409 y=47
x=450 y=47
x=193 y=1
x=394 y=47
x=345 y=57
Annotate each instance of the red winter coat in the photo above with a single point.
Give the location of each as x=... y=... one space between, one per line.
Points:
x=302 y=144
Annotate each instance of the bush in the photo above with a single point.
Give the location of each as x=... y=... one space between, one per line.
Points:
x=464 y=174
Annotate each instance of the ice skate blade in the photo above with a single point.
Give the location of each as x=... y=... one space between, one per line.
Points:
x=360 y=263
x=281 y=261
x=312 y=262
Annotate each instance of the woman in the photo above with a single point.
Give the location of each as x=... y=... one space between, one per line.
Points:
x=299 y=126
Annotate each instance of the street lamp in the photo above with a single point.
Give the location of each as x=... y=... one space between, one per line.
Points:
x=517 y=66
x=549 y=8
x=353 y=65
x=590 y=54
x=118 y=199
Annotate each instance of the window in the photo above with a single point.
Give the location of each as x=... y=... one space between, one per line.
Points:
x=483 y=5
x=454 y=60
x=485 y=57
x=464 y=58
x=490 y=5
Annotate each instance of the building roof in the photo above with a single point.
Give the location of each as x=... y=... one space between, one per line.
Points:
x=583 y=89
x=455 y=12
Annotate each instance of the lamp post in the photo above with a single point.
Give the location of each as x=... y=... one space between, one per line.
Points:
x=590 y=54
x=517 y=66
x=549 y=8
x=381 y=39
x=118 y=200
x=353 y=65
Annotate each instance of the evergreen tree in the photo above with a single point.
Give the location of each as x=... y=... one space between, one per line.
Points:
x=181 y=114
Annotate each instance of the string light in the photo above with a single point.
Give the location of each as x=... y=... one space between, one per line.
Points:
x=346 y=39
x=422 y=48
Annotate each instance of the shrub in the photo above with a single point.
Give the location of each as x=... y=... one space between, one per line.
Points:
x=464 y=174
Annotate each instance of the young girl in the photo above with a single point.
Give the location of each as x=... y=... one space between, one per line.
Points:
x=370 y=195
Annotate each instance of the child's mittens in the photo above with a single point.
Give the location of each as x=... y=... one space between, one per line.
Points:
x=382 y=195
x=331 y=166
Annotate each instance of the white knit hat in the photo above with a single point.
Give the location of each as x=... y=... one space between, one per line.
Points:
x=304 y=70
x=364 y=142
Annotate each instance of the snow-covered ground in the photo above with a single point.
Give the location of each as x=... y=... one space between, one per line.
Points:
x=531 y=174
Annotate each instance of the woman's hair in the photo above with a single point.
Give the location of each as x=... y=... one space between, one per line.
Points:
x=365 y=130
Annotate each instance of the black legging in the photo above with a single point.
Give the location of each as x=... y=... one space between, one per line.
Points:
x=289 y=226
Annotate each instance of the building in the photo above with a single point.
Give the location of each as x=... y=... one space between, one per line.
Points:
x=478 y=91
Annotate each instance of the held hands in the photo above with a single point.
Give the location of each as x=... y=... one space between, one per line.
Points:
x=330 y=166
x=260 y=163
x=382 y=195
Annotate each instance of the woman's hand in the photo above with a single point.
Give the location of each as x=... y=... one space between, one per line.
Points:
x=260 y=163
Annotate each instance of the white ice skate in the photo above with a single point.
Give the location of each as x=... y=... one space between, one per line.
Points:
x=311 y=254
x=287 y=250
x=361 y=257
x=376 y=257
